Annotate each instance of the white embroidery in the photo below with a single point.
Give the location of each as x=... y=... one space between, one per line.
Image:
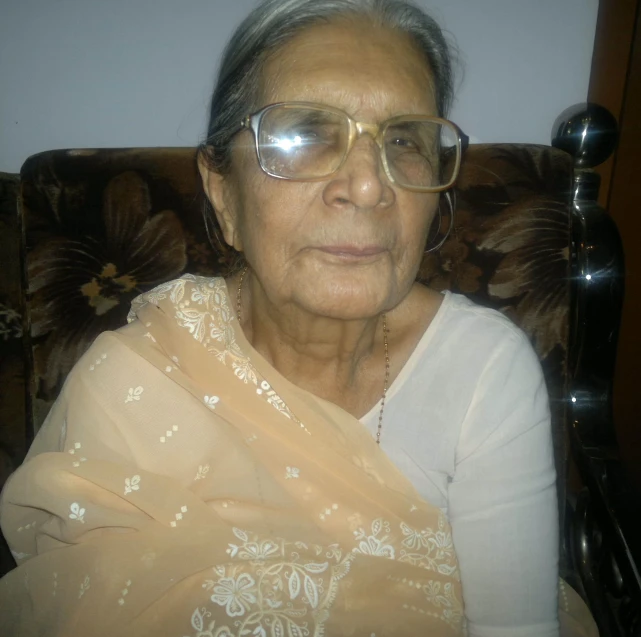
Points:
x=211 y=401
x=430 y=549
x=98 y=361
x=178 y=516
x=148 y=558
x=77 y=513
x=26 y=527
x=84 y=587
x=264 y=386
x=150 y=337
x=134 y=394
x=76 y=446
x=169 y=434
x=374 y=544
x=252 y=550
x=19 y=556
x=215 y=314
x=203 y=470
x=198 y=623
x=292 y=472
x=284 y=594
x=124 y=593
x=132 y=484
x=327 y=512
x=235 y=595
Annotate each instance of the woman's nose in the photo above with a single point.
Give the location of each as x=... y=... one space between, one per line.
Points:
x=361 y=181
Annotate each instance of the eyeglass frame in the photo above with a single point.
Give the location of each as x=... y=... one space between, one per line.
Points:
x=253 y=121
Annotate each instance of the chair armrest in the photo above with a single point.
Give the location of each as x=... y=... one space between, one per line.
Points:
x=606 y=540
x=606 y=522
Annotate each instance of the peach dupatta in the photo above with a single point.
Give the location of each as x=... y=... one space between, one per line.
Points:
x=180 y=486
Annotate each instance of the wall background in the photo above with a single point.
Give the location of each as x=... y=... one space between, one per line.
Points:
x=96 y=73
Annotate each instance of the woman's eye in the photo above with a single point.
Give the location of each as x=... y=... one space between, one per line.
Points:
x=404 y=142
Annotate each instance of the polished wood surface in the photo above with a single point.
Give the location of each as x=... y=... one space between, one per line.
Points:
x=616 y=84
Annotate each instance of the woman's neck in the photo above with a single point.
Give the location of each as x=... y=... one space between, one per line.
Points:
x=325 y=353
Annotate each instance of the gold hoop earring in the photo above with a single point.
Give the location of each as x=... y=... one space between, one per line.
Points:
x=437 y=239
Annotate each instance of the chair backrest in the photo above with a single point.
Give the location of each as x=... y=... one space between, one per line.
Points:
x=103 y=226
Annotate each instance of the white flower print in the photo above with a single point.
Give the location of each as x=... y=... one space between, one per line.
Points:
x=235 y=595
x=77 y=513
x=132 y=484
x=373 y=544
x=212 y=401
x=244 y=370
x=134 y=394
x=416 y=539
x=198 y=623
x=429 y=548
x=256 y=550
x=203 y=470
x=84 y=587
x=437 y=596
x=291 y=473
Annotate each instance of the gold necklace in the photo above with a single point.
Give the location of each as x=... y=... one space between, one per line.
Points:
x=386 y=381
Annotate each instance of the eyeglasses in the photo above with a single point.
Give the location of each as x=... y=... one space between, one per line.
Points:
x=302 y=141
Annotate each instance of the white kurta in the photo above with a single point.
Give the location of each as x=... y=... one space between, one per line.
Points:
x=467 y=420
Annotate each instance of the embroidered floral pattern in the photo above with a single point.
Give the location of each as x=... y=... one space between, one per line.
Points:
x=202 y=308
x=375 y=542
x=430 y=549
x=286 y=595
x=236 y=595
x=77 y=513
x=132 y=484
x=211 y=401
x=198 y=618
x=134 y=394
x=84 y=586
x=98 y=247
x=292 y=473
x=203 y=470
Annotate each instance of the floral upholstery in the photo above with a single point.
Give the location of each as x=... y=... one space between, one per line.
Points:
x=13 y=433
x=103 y=226
x=13 y=430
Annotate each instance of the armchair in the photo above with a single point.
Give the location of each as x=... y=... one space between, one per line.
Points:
x=102 y=226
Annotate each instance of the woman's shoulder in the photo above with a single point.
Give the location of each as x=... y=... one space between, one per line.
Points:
x=459 y=315
x=470 y=340
x=186 y=288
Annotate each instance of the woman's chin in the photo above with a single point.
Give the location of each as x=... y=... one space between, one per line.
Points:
x=358 y=298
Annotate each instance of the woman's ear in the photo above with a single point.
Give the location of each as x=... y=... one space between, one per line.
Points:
x=219 y=191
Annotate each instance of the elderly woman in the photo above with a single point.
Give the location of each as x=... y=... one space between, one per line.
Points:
x=317 y=445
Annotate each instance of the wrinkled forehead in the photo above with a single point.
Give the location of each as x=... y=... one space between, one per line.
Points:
x=369 y=71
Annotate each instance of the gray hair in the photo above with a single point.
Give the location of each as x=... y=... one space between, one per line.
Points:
x=273 y=23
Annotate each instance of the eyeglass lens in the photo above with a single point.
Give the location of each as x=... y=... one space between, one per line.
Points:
x=305 y=143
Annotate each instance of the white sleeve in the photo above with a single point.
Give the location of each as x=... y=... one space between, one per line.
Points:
x=503 y=502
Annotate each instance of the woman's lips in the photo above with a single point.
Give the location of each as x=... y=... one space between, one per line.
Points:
x=350 y=251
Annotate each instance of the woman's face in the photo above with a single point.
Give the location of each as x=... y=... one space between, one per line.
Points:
x=348 y=247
